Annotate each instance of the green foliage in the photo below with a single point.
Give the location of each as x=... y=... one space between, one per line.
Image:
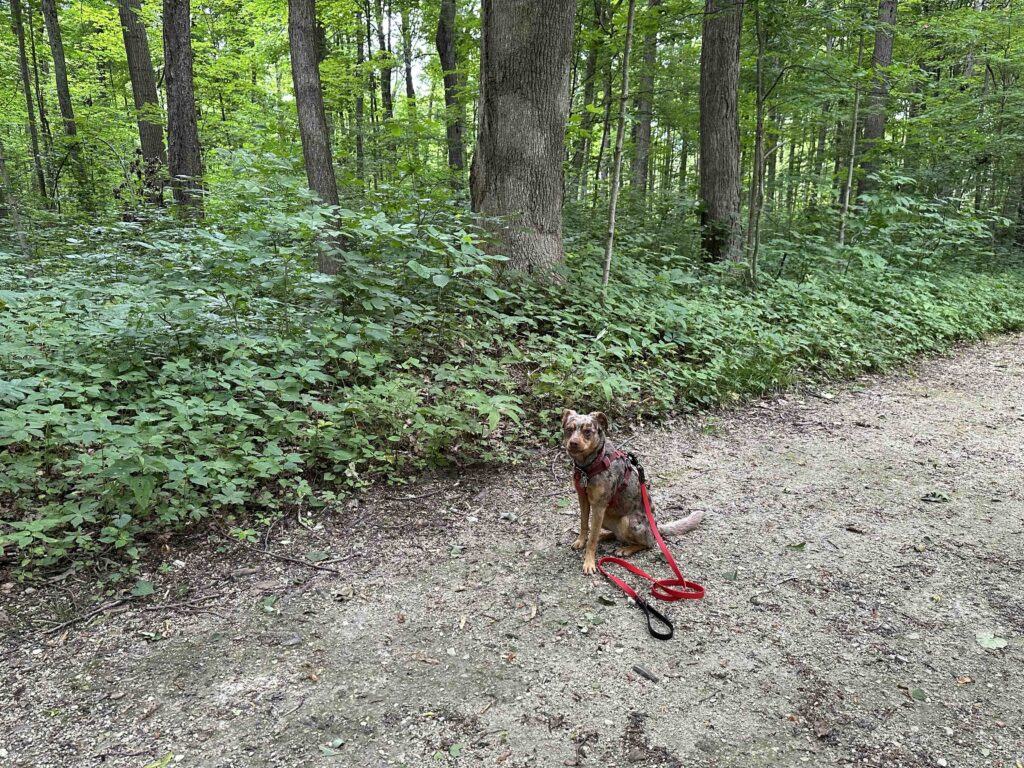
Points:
x=153 y=375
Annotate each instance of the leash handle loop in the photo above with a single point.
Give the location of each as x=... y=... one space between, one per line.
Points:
x=654 y=614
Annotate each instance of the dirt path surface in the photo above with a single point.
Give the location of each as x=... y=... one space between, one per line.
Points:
x=857 y=541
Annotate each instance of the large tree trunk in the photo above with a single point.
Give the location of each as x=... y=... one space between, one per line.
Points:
x=874 y=118
x=719 y=130
x=645 y=104
x=455 y=114
x=140 y=70
x=26 y=85
x=309 y=102
x=67 y=111
x=525 y=59
x=184 y=157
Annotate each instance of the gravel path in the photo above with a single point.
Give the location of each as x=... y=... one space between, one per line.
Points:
x=861 y=547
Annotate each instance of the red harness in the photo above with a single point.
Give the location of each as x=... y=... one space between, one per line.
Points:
x=668 y=590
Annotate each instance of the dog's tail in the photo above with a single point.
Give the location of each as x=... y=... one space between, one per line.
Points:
x=684 y=525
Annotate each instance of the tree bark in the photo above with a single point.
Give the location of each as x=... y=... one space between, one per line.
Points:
x=588 y=117
x=517 y=173
x=184 y=156
x=844 y=207
x=874 y=118
x=606 y=129
x=67 y=111
x=44 y=121
x=140 y=70
x=309 y=102
x=719 y=130
x=410 y=88
x=455 y=113
x=645 y=104
x=9 y=203
x=620 y=130
x=360 y=129
x=384 y=50
x=26 y=84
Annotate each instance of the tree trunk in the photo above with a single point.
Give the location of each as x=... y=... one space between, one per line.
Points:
x=140 y=70
x=525 y=58
x=410 y=88
x=587 y=119
x=874 y=119
x=605 y=131
x=455 y=113
x=645 y=104
x=756 y=199
x=360 y=130
x=9 y=203
x=719 y=130
x=67 y=112
x=44 y=122
x=309 y=102
x=184 y=157
x=620 y=130
x=26 y=84
x=384 y=50
x=844 y=207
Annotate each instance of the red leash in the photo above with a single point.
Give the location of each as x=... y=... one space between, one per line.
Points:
x=668 y=590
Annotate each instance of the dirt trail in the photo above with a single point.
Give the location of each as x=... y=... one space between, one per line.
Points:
x=856 y=542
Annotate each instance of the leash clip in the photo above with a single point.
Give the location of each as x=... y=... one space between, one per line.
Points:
x=637 y=466
x=650 y=612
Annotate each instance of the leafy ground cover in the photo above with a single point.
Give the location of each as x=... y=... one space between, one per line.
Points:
x=153 y=374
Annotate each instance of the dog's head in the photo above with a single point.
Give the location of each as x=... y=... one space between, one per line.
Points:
x=582 y=434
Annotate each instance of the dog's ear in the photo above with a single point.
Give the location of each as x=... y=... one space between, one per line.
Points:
x=601 y=420
x=566 y=415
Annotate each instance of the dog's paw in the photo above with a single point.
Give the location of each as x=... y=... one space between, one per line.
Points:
x=589 y=567
x=579 y=543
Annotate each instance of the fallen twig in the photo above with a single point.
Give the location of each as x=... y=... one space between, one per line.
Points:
x=297 y=561
x=86 y=616
x=183 y=604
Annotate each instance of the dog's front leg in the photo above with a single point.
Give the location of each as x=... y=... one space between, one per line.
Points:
x=581 y=540
x=596 y=522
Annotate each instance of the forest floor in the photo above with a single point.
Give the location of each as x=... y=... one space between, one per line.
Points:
x=857 y=540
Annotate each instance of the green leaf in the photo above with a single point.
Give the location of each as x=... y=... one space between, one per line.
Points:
x=143 y=588
x=797 y=547
x=455 y=750
x=440 y=280
x=989 y=641
x=317 y=555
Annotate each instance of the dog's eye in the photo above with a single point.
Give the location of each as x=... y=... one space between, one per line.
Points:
x=588 y=432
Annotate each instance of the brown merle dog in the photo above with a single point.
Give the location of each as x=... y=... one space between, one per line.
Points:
x=609 y=492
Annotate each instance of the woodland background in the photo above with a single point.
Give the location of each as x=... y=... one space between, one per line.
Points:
x=246 y=267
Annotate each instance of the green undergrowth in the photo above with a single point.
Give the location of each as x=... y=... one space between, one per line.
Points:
x=149 y=381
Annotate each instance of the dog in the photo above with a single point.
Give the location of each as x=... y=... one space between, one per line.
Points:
x=608 y=488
